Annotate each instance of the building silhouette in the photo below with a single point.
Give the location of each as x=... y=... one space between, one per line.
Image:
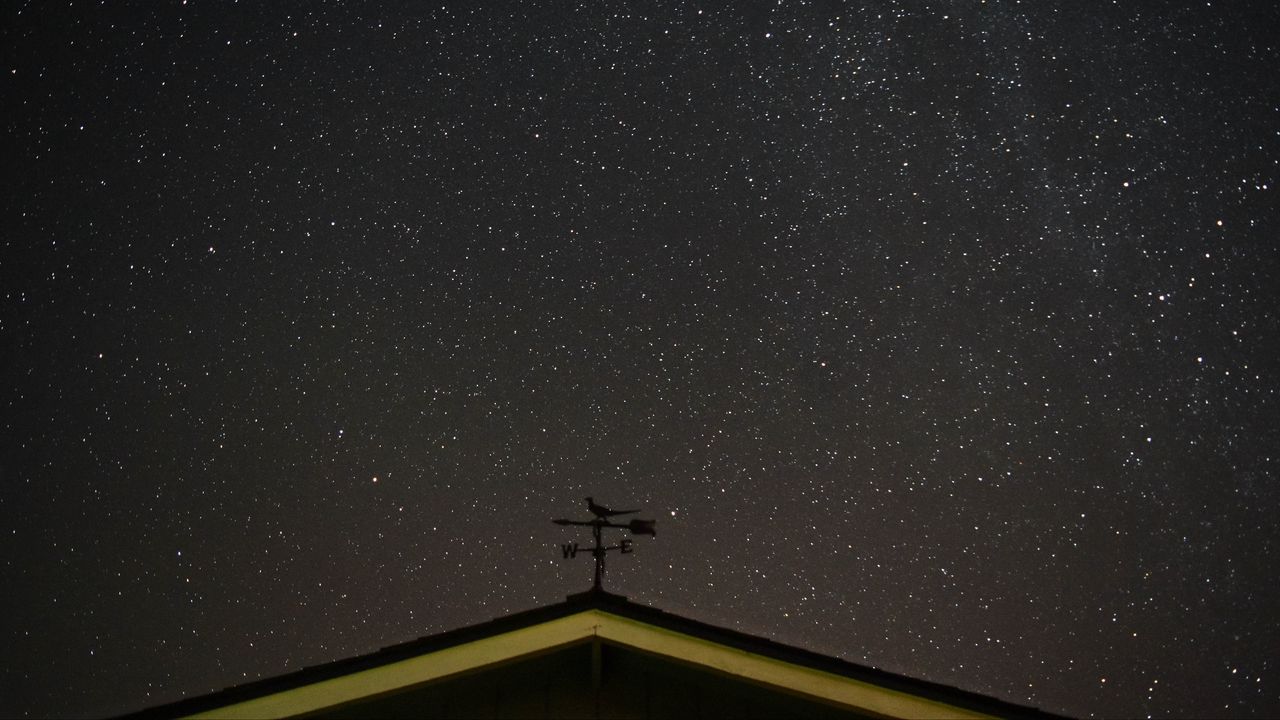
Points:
x=595 y=655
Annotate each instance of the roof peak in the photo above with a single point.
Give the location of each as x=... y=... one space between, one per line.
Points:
x=596 y=595
x=620 y=622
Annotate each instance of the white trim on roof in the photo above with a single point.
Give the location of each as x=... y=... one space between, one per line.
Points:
x=579 y=627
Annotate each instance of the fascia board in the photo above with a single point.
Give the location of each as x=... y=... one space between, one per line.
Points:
x=854 y=694
x=398 y=675
x=582 y=626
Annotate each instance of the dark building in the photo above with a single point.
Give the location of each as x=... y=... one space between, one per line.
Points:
x=596 y=655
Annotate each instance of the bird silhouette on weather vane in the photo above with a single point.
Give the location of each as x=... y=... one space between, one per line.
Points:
x=604 y=519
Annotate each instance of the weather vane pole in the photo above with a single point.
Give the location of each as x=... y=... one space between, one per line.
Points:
x=603 y=519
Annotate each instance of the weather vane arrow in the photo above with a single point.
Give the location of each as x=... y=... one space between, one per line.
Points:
x=604 y=519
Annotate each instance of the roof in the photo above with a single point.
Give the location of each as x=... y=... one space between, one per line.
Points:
x=594 y=617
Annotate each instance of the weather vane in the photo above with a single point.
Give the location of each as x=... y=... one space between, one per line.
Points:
x=604 y=520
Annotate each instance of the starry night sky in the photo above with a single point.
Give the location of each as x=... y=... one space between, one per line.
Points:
x=939 y=337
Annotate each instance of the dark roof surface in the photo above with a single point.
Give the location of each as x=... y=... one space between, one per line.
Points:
x=614 y=604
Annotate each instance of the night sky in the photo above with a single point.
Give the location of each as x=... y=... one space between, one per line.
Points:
x=938 y=337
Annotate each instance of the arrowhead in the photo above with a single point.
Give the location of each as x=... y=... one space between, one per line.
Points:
x=643 y=527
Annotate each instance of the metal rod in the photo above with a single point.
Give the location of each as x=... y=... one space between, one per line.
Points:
x=599 y=552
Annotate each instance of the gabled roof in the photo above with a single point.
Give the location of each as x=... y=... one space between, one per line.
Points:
x=593 y=617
